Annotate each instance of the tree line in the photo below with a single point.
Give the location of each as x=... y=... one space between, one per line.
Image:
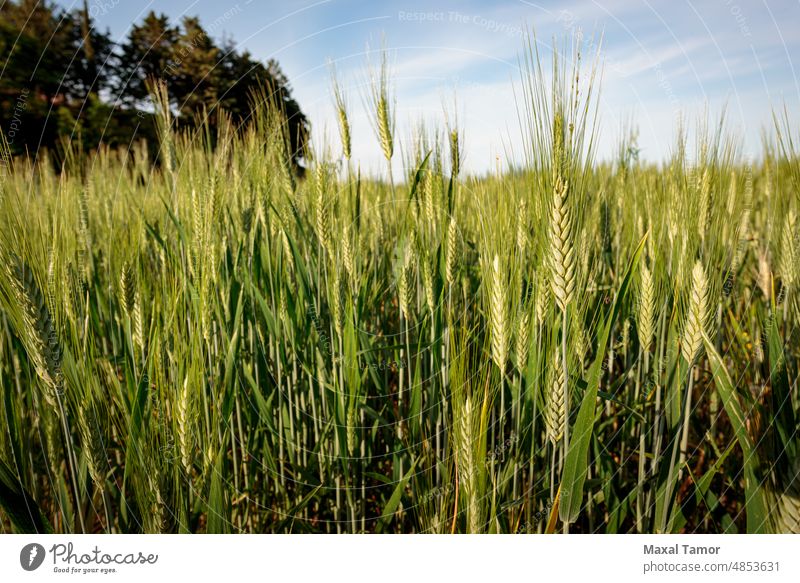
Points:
x=63 y=79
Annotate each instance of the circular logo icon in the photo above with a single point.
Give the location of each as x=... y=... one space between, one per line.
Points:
x=31 y=556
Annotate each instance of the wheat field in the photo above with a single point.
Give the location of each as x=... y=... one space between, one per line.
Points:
x=207 y=342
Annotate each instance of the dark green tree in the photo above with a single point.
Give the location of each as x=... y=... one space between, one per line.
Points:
x=194 y=78
x=241 y=75
x=59 y=68
x=54 y=60
x=148 y=51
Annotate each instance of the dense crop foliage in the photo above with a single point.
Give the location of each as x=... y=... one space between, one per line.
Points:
x=216 y=345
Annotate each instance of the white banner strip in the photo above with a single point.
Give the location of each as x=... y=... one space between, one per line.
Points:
x=417 y=558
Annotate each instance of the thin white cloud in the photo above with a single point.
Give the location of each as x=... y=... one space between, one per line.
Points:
x=630 y=61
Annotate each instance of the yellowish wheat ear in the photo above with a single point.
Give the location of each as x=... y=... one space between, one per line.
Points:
x=522 y=340
x=555 y=412
x=347 y=256
x=452 y=249
x=404 y=287
x=385 y=128
x=92 y=441
x=184 y=421
x=498 y=311
x=562 y=252
x=764 y=276
x=646 y=311
x=789 y=252
x=697 y=315
x=127 y=288
x=468 y=467
x=342 y=119
x=522 y=228
x=542 y=299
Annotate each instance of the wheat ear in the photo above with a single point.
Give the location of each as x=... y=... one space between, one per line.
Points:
x=789 y=252
x=427 y=282
x=555 y=413
x=127 y=288
x=323 y=221
x=342 y=119
x=697 y=315
x=352 y=435
x=452 y=249
x=455 y=154
x=522 y=228
x=646 y=308
x=339 y=292
x=562 y=252
x=404 y=285
x=468 y=466
x=498 y=311
x=522 y=340
x=93 y=448
x=184 y=422
x=42 y=343
x=385 y=126
x=542 y=299
x=347 y=256
x=705 y=202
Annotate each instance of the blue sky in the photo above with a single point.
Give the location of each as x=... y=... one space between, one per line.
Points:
x=662 y=59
